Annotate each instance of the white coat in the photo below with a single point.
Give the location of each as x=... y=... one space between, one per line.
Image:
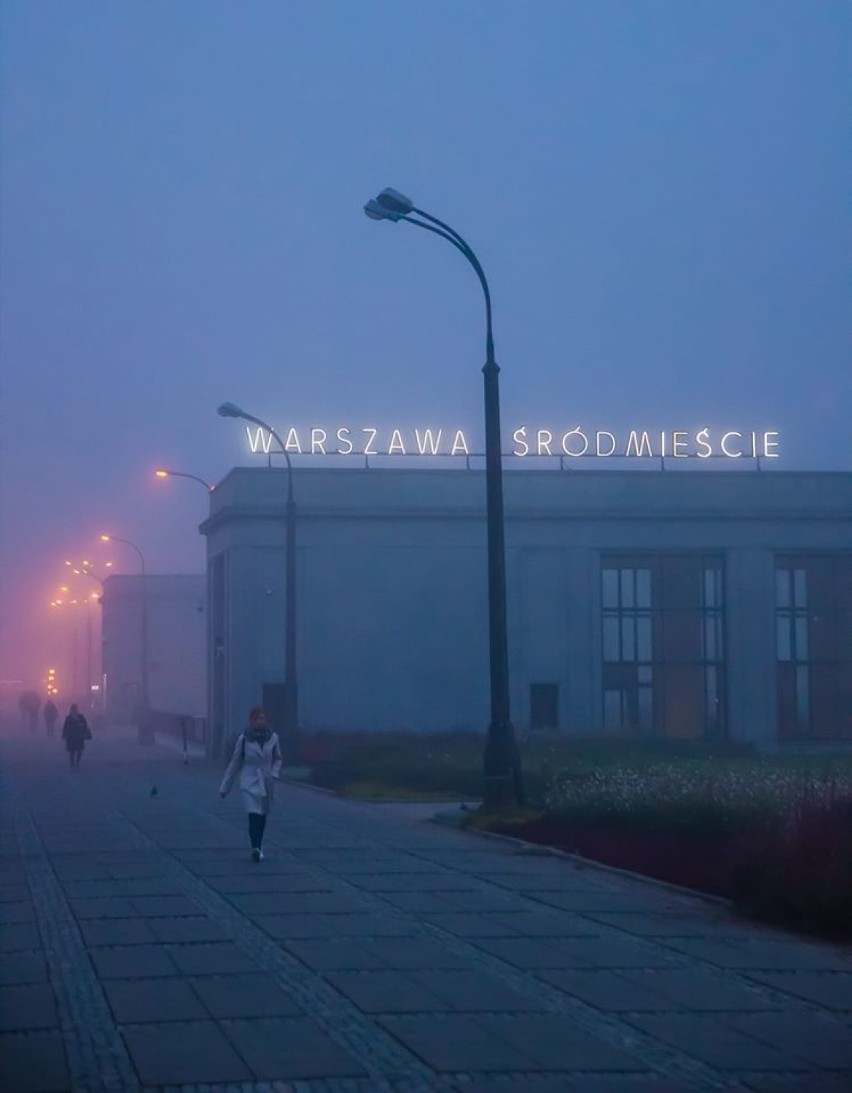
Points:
x=258 y=766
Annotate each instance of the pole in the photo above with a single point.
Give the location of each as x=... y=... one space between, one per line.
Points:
x=88 y=655
x=145 y=729
x=291 y=695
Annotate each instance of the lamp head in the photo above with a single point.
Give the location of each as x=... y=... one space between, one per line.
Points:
x=161 y=474
x=230 y=409
x=105 y=538
x=389 y=205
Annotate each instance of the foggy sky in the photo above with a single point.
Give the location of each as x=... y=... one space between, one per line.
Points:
x=657 y=191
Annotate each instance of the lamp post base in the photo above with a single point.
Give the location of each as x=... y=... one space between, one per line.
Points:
x=502 y=783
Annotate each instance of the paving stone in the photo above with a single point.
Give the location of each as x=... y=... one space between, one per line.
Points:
x=213 y=958
x=414 y=882
x=471 y=925
x=132 y=961
x=551 y=1041
x=713 y=1042
x=22 y=967
x=116 y=931
x=27 y=1007
x=16 y=912
x=190 y=929
x=806 y=1035
x=334 y=926
x=89 y=889
x=537 y=924
x=595 y=899
x=713 y=924
x=830 y=989
x=310 y=903
x=590 y=952
x=816 y=1082
x=265 y=883
x=474 y=992
x=251 y=994
x=19 y=936
x=103 y=907
x=332 y=954
x=141 y=1000
x=175 y=1054
x=13 y=893
x=147 y=886
x=164 y=906
x=386 y=992
x=764 y=955
x=415 y=952
x=697 y=989
x=459 y=1044
x=33 y=1063
x=608 y=990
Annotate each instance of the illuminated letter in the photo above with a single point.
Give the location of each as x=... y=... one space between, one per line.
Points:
x=459 y=444
x=575 y=432
x=257 y=440
x=372 y=433
x=344 y=440
x=679 y=446
x=730 y=455
x=396 y=442
x=292 y=442
x=518 y=437
x=318 y=439
x=427 y=441
x=663 y=445
x=633 y=441
x=701 y=439
x=545 y=436
x=598 y=436
x=767 y=444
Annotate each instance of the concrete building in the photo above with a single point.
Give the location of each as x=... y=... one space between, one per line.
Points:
x=712 y=604
x=177 y=628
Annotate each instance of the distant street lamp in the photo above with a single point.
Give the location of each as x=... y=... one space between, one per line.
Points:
x=291 y=691
x=503 y=788
x=145 y=730
x=161 y=473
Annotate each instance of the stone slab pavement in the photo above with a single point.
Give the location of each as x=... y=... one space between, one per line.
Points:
x=371 y=952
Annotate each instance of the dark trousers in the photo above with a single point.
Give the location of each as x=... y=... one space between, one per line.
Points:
x=74 y=756
x=257 y=824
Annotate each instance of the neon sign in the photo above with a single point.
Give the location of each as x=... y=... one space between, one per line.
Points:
x=572 y=443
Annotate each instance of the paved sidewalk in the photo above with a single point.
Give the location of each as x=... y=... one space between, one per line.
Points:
x=372 y=952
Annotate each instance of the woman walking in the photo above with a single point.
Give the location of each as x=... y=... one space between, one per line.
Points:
x=75 y=733
x=257 y=758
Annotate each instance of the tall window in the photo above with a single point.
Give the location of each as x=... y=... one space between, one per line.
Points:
x=663 y=645
x=813 y=639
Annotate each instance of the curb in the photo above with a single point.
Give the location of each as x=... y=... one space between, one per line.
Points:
x=544 y=851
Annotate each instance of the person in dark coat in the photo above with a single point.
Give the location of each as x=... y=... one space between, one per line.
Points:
x=50 y=714
x=75 y=733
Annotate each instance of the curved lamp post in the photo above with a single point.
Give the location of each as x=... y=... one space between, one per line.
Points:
x=502 y=764
x=162 y=473
x=145 y=728
x=291 y=690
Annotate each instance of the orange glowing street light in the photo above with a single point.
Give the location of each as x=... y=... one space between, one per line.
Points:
x=163 y=473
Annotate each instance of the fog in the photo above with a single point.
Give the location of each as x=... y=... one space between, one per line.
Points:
x=658 y=194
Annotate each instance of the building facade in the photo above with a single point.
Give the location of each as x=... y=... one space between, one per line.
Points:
x=176 y=638
x=703 y=604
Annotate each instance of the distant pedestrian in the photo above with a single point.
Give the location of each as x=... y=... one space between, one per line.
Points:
x=50 y=714
x=75 y=733
x=257 y=759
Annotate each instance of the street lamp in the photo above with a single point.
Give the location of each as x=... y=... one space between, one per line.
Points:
x=161 y=473
x=291 y=691
x=144 y=729
x=502 y=764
